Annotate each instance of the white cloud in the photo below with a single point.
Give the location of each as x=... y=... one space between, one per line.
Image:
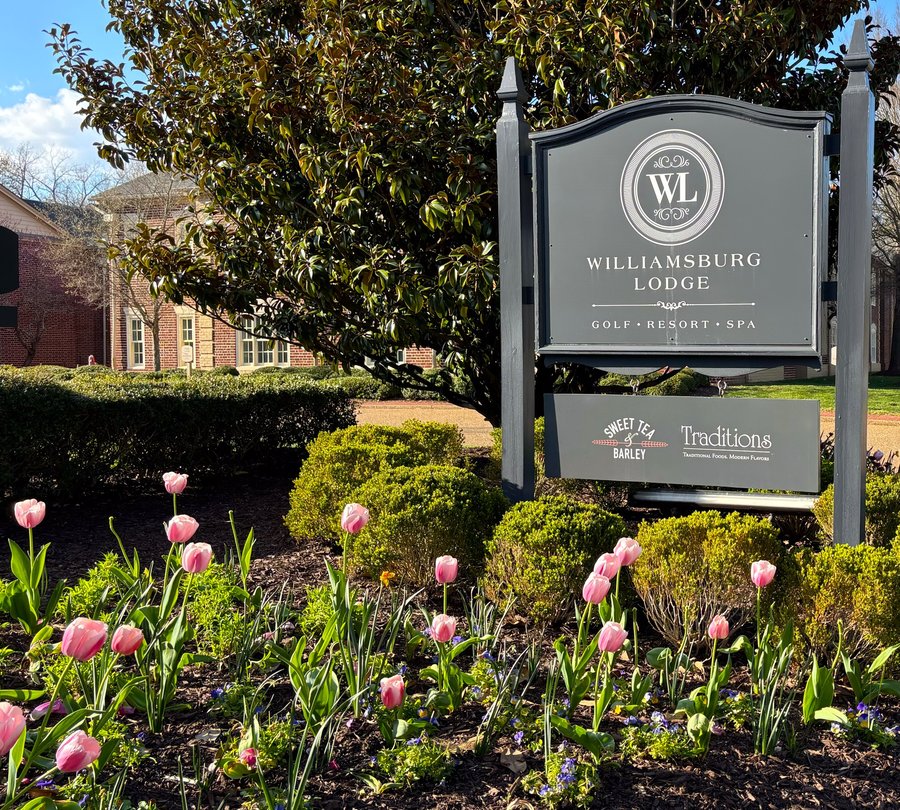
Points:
x=47 y=123
x=16 y=88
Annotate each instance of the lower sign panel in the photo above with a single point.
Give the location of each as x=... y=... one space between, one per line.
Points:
x=706 y=441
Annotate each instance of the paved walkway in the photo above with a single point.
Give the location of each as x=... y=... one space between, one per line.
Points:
x=884 y=429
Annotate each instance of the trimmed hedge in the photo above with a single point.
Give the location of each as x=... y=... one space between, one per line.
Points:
x=71 y=434
x=882 y=509
x=543 y=550
x=694 y=567
x=418 y=514
x=342 y=461
x=856 y=585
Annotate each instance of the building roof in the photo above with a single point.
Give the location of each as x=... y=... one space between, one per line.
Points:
x=25 y=218
x=146 y=186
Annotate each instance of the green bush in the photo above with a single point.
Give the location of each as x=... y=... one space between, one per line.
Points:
x=856 y=585
x=89 y=432
x=213 y=610
x=418 y=514
x=694 y=567
x=96 y=593
x=542 y=551
x=882 y=509
x=341 y=461
x=362 y=387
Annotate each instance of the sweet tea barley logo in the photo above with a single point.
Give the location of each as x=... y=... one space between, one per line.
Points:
x=672 y=187
x=630 y=438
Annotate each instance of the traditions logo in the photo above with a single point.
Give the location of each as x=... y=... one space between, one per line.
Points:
x=630 y=438
x=672 y=187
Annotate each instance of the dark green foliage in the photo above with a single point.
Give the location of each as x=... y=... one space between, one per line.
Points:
x=856 y=585
x=542 y=552
x=96 y=593
x=341 y=461
x=419 y=514
x=882 y=509
x=84 y=433
x=697 y=566
x=347 y=151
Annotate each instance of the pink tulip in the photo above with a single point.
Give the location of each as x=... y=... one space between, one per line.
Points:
x=762 y=572
x=83 y=638
x=174 y=482
x=12 y=721
x=718 y=628
x=38 y=712
x=354 y=518
x=446 y=569
x=29 y=513
x=595 y=588
x=627 y=550
x=248 y=757
x=443 y=628
x=612 y=637
x=76 y=752
x=393 y=691
x=181 y=528
x=196 y=557
x=607 y=565
x=127 y=640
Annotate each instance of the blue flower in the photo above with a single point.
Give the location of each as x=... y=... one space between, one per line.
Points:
x=729 y=694
x=258 y=710
x=414 y=741
x=568 y=765
x=403 y=669
x=217 y=692
x=518 y=737
x=486 y=655
x=280 y=806
x=44 y=783
x=427 y=632
x=565 y=702
x=475 y=691
x=514 y=721
x=82 y=802
x=631 y=720
x=659 y=719
x=456 y=640
x=545 y=789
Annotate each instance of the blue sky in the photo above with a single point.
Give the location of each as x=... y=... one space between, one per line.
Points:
x=35 y=104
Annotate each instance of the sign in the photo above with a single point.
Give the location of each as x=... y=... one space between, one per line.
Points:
x=187 y=353
x=682 y=226
x=706 y=441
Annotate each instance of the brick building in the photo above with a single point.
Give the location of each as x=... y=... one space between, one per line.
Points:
x=53 y=326
x=140 y=327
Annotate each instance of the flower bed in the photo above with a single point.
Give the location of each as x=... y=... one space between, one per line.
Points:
x=627 y=726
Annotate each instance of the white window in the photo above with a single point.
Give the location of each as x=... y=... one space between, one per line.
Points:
x=186 y=338
x=135 y=340
x=253 y=350
x=401 y=355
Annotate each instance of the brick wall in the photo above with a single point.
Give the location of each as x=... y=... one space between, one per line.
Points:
x=72 y=330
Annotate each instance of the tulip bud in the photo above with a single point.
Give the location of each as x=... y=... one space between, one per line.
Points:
x=762 y=572
x=174 y=482
x=443 y=628
x=612 y=637
x=12 y=722
x=196 y=556
x=446 y=569
x=76 y=752
x=29 y=513
x=607 y=565
x=595 y=588
x=127 y=640
x=248 y=757
x=393 y=691
x=627 y=550
x=354 y=518
x=83 y=638
x=718 y=628
x=181 y=528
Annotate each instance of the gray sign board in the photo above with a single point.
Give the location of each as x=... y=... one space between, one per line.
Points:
x=678 y=226
x=706 y=441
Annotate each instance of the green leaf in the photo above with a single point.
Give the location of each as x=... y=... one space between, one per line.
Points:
x=832 y=715
x=597 y=743
x=819 y=691
x=22 y=695
x=19 y=564
x=882 y=658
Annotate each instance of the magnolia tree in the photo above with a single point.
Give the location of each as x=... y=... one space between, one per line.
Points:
x=346 y=151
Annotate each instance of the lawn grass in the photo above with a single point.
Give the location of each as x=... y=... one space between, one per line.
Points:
x=884 y=392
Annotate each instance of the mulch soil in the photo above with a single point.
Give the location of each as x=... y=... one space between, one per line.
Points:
x=823 y=771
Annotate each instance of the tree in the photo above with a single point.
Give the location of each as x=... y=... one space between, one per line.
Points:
x=346 y=149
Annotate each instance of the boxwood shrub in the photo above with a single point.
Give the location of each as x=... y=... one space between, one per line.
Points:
x=341 y=461
x=74 y=434
x=418 y=514
x=696 y=566
x=542 y=551
x=856 y=585
x=882 y=509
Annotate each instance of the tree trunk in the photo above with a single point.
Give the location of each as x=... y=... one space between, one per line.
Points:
x=893 y=368
x=154 y=331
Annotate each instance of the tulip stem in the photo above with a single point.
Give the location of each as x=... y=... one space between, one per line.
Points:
x=174 y=504
x=445 y=598
x=603 y=660
x=37 y=748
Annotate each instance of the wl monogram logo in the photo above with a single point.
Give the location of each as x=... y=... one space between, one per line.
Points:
x=672 y=187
